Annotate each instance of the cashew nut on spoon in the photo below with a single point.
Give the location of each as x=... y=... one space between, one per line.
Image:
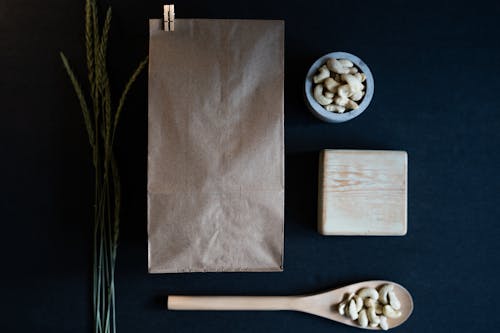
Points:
x=378 y=307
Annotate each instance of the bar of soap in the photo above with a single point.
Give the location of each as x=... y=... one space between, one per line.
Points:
x=362 y=192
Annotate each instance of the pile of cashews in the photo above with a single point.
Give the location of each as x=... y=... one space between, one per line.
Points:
x=344 y=85
x=371 y=307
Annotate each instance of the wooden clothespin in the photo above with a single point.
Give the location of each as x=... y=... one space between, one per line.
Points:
x=168 y=17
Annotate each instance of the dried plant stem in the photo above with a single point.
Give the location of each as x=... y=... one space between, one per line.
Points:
x=101 y=122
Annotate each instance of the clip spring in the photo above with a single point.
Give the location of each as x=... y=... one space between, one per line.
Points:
x=168 y=17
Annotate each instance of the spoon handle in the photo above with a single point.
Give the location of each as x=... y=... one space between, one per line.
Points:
x=231 y=302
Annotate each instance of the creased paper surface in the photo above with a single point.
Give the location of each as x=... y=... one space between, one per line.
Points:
x=215 y=146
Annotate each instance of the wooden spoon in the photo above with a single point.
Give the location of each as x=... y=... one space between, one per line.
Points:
x=322 y=304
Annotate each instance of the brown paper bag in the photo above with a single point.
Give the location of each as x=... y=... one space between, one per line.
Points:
x=216 y=150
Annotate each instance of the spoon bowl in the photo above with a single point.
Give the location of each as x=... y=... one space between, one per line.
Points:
x=325 y=304
x=322 y=304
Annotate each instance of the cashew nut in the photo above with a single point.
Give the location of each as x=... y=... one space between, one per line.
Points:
x=323 y=74
x=342 y=101
x=328 y=94
x=372 y=316
x=331 y=84
x=393 y=300
x=346 y=62
x=351 y=104
x=359 y=303
x=383 y=323
x=342 y=308
x=368 y=292
x=353 y=82
x=383 y=293
x=353 y=313
x=389 y=312
x=364 y=306
x=370 y=302
x=320 y=98
x=336 y=66
x=331 y=107
x=335 y=108
x=357 y=95
x=363 y=318
x=360 y=76
x=344 y=91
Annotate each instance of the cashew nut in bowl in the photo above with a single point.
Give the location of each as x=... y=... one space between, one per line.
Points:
x=346 y=62
x=328 y=94
x=323 y=74
x=344 y=91
x=353 y=82
x=320 y=98
x=351 y=104
x=335 y=108
x=360 y=76
x=336 y=66
x=346 y=102
x=342 y=101
x=357 y=95
x=331 y=84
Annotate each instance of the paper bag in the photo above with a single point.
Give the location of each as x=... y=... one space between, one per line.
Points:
x=215 y=146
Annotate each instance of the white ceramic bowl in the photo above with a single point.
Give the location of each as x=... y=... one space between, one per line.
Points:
x=318 y=110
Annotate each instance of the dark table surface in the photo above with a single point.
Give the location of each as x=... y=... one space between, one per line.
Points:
x=436 y=66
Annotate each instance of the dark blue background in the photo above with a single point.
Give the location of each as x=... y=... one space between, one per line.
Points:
x=436 y=66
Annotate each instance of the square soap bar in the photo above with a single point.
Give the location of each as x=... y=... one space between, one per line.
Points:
x=362 y=192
